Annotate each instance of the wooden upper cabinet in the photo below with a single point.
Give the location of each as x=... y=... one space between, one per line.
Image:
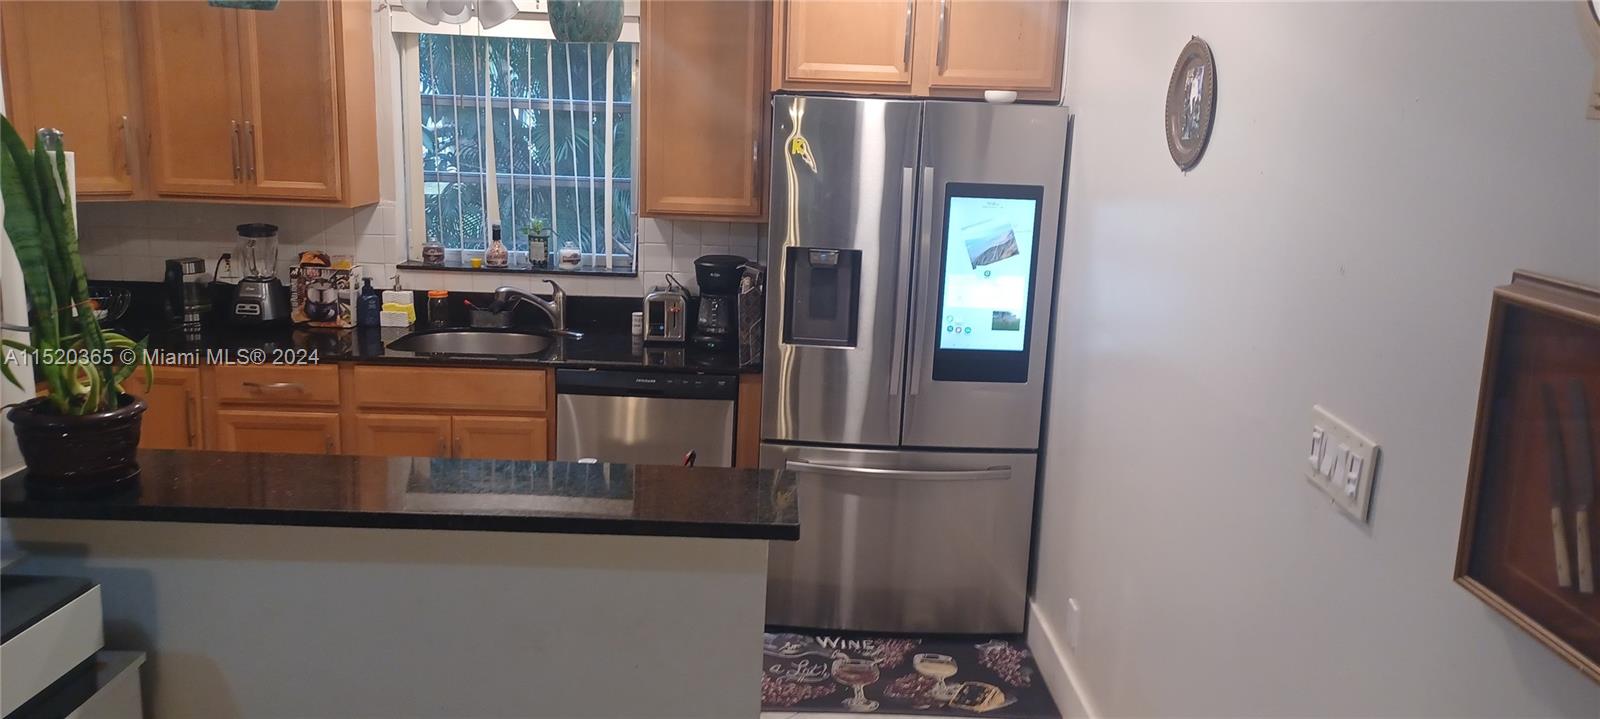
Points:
x=272 y=106
x=858 y=44
x=172 y=416
x=66 y=67
x=192 y=103
x=291 y=101
x=920 y=48
x=703 y=109
x=978 y=45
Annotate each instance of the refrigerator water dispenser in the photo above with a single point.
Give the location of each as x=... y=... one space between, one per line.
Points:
x=820 y=306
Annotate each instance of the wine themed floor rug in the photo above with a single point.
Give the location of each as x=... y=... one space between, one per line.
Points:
x=902 y=675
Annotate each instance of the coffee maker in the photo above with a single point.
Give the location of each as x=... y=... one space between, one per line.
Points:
x=187 y=298
x=716 y=324
x=260 y=298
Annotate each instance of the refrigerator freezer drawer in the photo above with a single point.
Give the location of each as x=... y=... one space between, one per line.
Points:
x=904 y=541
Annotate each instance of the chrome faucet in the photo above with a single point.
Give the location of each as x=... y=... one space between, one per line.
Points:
x=507 y=297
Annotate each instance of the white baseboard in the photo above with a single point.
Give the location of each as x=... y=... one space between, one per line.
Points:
x=1060 y=673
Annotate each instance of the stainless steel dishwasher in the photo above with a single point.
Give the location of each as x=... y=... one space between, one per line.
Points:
x=645 y=417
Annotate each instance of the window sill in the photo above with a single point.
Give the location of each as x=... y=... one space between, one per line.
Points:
x=458 y=267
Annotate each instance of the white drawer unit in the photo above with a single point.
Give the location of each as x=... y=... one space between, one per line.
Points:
x=51 y=626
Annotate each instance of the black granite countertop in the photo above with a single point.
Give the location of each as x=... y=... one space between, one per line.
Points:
x=607 y=342
x=439 y=494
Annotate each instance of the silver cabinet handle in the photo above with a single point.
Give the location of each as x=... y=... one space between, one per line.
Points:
x=926 y=475
x=905 y=58
x=127 y=147
x=250 y=150
x=924 y=252
x=457 y=452
x=258 y=387
x=897 y=359
x=238 y=166
x=944 y=35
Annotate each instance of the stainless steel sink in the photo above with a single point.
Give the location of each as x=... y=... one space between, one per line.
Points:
x=472 y=342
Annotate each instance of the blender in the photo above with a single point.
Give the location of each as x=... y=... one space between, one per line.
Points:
x=261 y=298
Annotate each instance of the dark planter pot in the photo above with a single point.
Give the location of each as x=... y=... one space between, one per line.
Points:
x=78 y=455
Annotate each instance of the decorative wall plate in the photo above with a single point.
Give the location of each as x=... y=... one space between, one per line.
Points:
x=1191 y=103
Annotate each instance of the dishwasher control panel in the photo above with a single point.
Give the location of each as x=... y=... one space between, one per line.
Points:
x=647 y=384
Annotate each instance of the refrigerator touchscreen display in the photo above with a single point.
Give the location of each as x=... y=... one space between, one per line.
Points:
x=986 y=284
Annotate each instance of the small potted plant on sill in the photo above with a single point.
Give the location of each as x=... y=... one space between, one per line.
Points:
x=81 y=434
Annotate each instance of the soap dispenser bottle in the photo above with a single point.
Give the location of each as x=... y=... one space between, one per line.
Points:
x=370 y=304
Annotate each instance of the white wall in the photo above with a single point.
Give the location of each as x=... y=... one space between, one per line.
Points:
x=1396 y=159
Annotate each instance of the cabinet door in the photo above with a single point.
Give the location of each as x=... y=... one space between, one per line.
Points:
x=242 y=430
x=974 y=45
x=402 y=435
x=847 y=46
x=66 y=67
x=500 y=438
x=291 y=99
x=703 y=106
x=172 y=419
x=190 y=56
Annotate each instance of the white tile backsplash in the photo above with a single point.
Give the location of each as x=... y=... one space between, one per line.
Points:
x=131 y=241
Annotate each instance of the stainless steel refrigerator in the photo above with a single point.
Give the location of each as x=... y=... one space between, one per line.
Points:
x=913 y=256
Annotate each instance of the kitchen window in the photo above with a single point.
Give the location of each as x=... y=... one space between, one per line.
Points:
x=515 y=130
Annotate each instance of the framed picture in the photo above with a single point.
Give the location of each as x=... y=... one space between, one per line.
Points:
x=1529 y=538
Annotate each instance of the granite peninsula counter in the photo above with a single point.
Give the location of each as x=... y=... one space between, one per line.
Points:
x=267 y=585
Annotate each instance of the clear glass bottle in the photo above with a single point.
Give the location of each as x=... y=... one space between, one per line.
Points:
x=432 y=251
x=570 y=257
x=496 y=255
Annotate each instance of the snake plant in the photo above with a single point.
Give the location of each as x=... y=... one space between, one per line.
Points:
x=81 y=366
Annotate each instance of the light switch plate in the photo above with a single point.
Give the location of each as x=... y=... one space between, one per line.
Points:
x=1342 y=462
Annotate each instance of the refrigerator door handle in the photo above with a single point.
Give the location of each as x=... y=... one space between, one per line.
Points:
x=897 y=358
x=925 y=235
x=1000 y=473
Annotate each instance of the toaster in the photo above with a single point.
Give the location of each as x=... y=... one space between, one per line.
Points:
x=666 y=314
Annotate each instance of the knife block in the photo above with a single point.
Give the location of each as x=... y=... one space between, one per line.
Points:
x=1543 y=349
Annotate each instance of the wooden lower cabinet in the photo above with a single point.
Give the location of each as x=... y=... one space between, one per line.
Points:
x=249 y=430
x=401 y=435
x=376 y=411
x=172 y=415
x=500 y=437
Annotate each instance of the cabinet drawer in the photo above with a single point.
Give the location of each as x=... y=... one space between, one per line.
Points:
x=278 y=384
x=451 y=388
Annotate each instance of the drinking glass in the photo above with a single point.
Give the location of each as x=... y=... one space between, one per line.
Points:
x=857 y=673
x=939 y=667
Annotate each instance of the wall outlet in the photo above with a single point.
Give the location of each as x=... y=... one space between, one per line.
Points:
x=1342 y=462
